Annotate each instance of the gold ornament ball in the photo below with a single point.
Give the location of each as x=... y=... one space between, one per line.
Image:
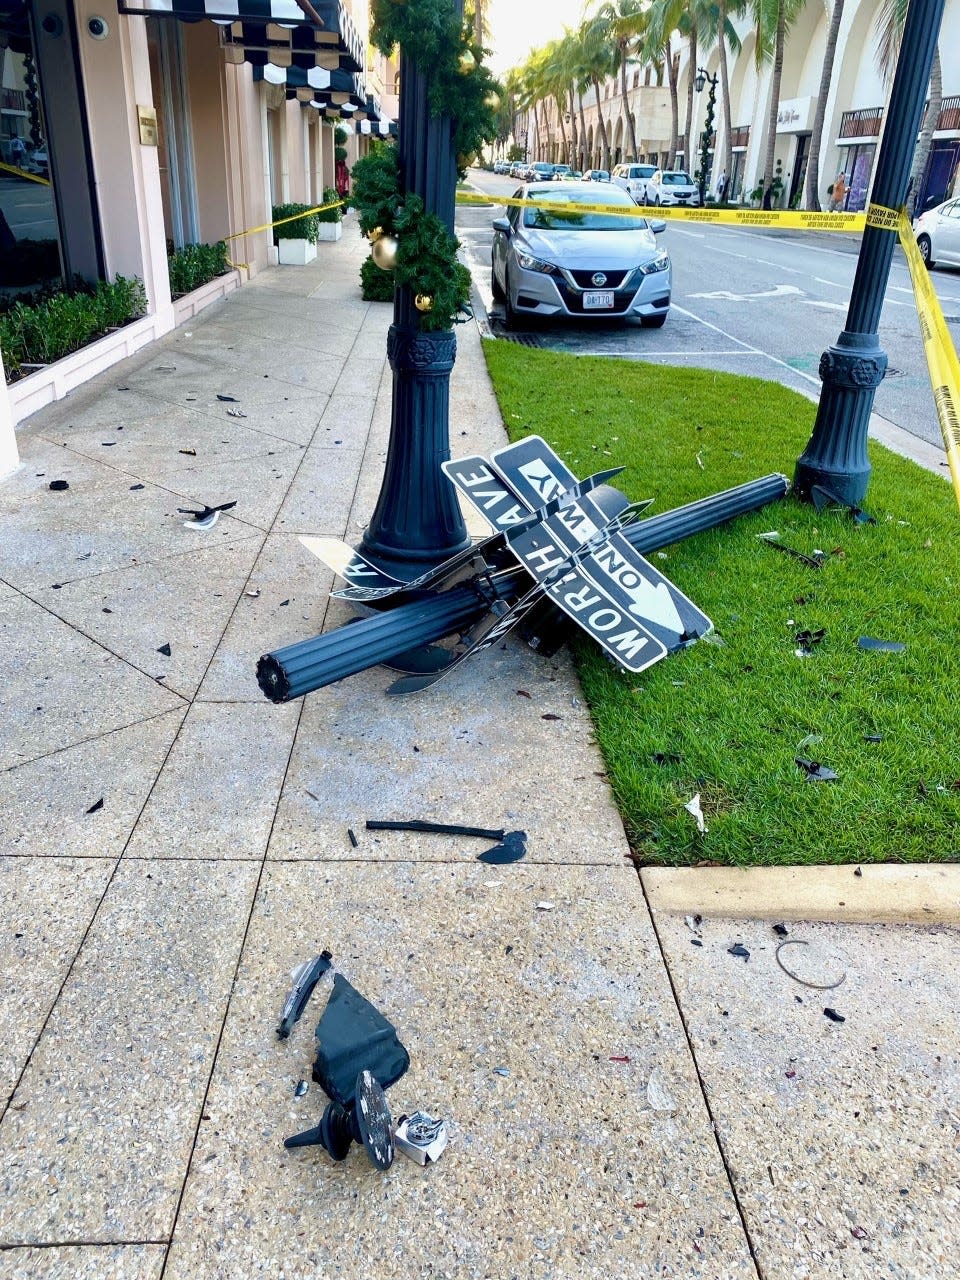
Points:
x=423 y=302
x=384 y=253
x=375 y=235
x=467 y=62
x=492 y=100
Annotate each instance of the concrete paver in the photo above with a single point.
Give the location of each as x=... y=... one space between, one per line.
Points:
x=842 y=1137
x=145 y=1131
x=95 y=1143
x=558 y=1167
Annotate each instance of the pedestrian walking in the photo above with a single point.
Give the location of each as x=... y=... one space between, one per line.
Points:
x=838 y=199
x=18 y=152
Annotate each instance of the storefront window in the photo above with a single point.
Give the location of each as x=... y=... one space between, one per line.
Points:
x=859 y=168
x=29 y=234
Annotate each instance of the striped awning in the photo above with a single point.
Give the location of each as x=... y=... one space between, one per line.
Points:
x=378 y=128
x=318 y=85
x=270 y=31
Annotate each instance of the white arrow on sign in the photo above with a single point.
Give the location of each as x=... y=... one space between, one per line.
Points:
x=726 y=295
x=654 y=603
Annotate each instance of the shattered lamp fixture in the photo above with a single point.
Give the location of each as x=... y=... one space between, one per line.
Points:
x=368 y=1123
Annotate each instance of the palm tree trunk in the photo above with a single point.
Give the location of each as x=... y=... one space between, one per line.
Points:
x=605 y=142
x=691 y=72
x=774 y=96
x=626 y=106
x=536 y=134
x=812 y=185
x=478 y=22
x=571 y=158
x=583 y=134
x=563 y=129
x=930 y=117
x=727 y=159
x=674 y=106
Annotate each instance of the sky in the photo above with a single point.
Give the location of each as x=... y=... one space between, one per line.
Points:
x=517 y=26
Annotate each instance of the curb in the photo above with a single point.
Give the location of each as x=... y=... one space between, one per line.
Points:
x=883 y=893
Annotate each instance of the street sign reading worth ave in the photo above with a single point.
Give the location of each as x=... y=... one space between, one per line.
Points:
x=573 y=550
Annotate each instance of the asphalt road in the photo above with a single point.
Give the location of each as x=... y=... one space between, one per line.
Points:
x=765 y=303
x=28 y=208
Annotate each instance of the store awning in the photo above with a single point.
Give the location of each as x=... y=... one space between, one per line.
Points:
x=378 y=128
x=343 y=90
x=270 y=31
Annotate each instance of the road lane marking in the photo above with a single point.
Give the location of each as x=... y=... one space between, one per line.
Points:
x=727 y=295
x=747 y=345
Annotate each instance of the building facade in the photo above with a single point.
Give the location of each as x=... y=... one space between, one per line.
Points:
x=129 y=130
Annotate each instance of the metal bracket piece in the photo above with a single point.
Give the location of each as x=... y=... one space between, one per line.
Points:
x=420 y=1137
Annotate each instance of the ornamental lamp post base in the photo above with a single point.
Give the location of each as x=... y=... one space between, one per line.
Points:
x=835 y=458
x=417 y=522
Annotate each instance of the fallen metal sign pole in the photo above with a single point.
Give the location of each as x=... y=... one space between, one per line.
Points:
x=579 y=557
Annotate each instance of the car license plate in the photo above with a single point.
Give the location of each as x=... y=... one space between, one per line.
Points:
x=598 y=300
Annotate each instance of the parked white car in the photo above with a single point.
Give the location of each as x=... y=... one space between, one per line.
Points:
x=938 y=234
x=635 y=178
x=674 y=187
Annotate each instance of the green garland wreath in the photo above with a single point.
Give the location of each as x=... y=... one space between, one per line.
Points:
x=426 y=251
x=433 y=35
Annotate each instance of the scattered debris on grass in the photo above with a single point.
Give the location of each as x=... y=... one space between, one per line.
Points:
x=693 y=807
x=772 y=539
x=808 y=640
x=880 y=646
x=815 y=771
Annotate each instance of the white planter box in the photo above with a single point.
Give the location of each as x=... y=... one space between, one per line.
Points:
x=331 y=230
x=296 y=253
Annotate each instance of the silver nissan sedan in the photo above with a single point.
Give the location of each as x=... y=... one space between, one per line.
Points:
x=579 y=263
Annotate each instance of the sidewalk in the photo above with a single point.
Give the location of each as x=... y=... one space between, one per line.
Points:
x=622 y=1101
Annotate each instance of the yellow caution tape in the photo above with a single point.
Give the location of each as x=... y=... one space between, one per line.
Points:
x=879 y=216
x=251 y=231
x=942 y=362
x=715 y=215
x=22 y=173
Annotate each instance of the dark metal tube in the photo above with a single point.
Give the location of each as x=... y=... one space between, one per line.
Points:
x=300 y=668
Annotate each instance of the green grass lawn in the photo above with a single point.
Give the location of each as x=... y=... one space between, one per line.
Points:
x=727 y=719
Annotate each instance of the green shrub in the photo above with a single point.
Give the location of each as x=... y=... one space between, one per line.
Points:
x=330 y=215
x=45 y=331
x=195 y=265
x=339 y=153
x=376 y=285
x=305 y=228
x=340 y=135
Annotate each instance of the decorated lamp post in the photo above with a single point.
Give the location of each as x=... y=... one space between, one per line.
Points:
x=701 y=79
x=405 y=201
x=835 y=458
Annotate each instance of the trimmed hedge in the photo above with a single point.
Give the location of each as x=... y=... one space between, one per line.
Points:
x=330 y=215
x=49 y=330
x=195 y=265
x=376 y=285
x=305 y=228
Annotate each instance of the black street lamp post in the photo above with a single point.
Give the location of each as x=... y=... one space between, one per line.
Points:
x=417 y=522
x=701 y=79
x=836 y=455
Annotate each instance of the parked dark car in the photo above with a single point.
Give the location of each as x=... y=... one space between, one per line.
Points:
x=596 y=175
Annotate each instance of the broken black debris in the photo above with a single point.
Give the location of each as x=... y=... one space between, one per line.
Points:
x=95 y=807
x=165 y=650
x=137 y=486
x=808 y=640
x=305 y=978
x=815 y=771
x=780 y=930
x=228 y=399
x=58 y=485
x=353 y=838
x=511 y=848
x=301 y=1089
x=206 y=517
x=773 y=540
x=739 y=950
x=833 y=1015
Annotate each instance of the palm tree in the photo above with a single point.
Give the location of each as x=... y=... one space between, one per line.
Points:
x=556 y=79
x=599 y=54
x=625 y=19
x=811 y=198
x=774 y=18
x=721 y=29
x=889 y=28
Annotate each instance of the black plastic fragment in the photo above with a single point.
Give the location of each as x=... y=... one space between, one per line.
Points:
x=738 y=949
x=137 y=486
x=165 y=650
x=873 y=737
x=228 y=399
x=858 y=871
x=815 y=771
x=807 y=640
x=96 y=807
x=833 y=1015
x=814 y=561
x=354 y=1036
x=780 y=930
x=436 y=828
x=353 y=839
x=305 y=979
x=823 y=497
x=511 y=849
x=880 y=646
x=58 y=485
x=206 y=512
